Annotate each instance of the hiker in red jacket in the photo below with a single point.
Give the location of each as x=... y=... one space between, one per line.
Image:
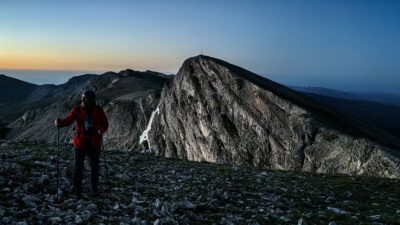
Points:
x=90 y=124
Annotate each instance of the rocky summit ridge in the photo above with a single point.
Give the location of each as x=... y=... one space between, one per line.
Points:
x=214 y=111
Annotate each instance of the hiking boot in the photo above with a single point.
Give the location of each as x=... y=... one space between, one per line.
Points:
x=94 y=192
x=78 y=194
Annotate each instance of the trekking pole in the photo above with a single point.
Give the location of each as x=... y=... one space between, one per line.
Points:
x=105 y=165
x=58 y=156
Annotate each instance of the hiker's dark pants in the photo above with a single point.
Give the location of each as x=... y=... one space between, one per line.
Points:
x=94 y=156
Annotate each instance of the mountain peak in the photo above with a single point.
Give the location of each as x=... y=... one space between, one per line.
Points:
x=218 y=112
x=198 y=65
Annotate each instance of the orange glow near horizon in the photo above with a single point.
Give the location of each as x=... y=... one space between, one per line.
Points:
x=83 y=53
x=80 y=63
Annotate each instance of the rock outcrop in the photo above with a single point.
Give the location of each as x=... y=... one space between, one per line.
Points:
x=217 y=112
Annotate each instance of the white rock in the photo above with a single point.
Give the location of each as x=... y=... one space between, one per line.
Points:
x=157 y=204
x=157 y=222
x=55 y=219
x=40 y=163
x=22 y=223
x=225 y=196
x=332 y=223
x=6 y=220
x=78 y=219
x=135 y=220
x=375 y=217
x=86 y=216
x=186 y=205
x=123 y=177
x=284 y=218
x=226 y=221
x=60 y=193
x=338 y=211
x=330 y=199
x=79 y=207
x=302 y=221
x=134 y=200
x=347 y=202
x=116 y=206
x=44 y=178
x=91 y=207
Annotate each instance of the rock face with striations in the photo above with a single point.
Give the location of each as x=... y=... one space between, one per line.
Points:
x=217 y=112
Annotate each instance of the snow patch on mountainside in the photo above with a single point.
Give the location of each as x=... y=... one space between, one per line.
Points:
x=145 y=134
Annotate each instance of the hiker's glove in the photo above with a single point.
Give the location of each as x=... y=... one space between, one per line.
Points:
x=100 y=132
x=57 y=122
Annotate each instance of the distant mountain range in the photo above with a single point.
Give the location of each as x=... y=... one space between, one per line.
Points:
x=381 y=110
x=217 y=112
x=128 y=97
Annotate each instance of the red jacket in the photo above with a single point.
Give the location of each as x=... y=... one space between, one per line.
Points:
x=78 y=114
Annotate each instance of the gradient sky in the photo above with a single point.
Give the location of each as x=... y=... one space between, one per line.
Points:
x=347 y=45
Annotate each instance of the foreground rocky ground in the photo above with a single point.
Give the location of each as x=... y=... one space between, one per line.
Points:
x=149 y=190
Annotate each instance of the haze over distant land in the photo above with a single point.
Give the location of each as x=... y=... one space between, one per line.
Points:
x=346 y=45
x=45 y=76
x=61 y=76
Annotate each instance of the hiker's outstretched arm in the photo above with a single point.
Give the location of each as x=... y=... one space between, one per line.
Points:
x=67 y=120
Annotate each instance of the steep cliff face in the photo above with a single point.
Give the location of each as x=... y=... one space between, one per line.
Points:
x=128 y=119
x=217 y=112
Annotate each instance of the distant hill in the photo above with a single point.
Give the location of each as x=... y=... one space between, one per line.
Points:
x=14 y=90
x=384 y=116
x=385 y=98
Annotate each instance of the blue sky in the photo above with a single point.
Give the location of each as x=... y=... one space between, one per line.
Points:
x=347 y=45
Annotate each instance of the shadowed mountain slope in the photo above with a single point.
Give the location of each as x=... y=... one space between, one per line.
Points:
x=383 y=116
x=12 y=90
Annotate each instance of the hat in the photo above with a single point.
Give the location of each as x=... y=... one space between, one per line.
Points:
x=89 y=94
